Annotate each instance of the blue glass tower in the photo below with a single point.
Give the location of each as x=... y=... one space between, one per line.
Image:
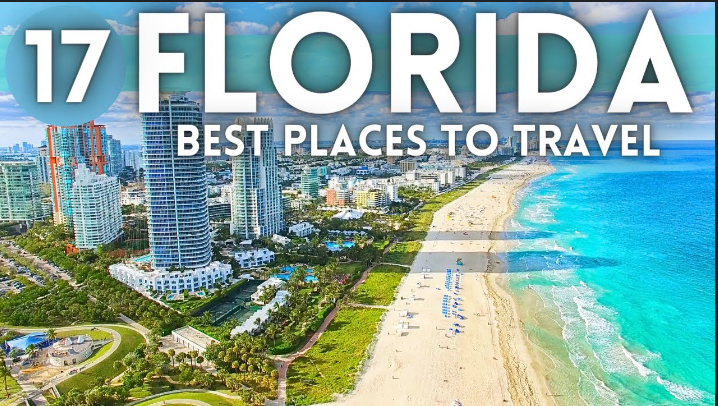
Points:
x=176 y=186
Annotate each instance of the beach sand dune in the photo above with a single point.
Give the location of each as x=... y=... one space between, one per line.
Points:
x=487 y=362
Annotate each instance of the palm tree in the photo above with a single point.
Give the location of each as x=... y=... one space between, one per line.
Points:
x=200 y=360
x=30 y=350
x=192 y=355
x=182 y=356
x=171 y=353
x=4 y=373
x=51 y=334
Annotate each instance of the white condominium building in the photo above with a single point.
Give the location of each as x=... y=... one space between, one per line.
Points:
x=191 y=280
x=96 y=210
x=302 y=229
x=254 y=258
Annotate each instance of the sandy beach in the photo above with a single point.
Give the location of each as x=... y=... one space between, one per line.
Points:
x=487 y=362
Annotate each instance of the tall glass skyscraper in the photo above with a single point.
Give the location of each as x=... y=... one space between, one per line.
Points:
x=256 y=193
x=176 y=187
x=116 y=159
x=20 y=196
x=310 y=182
x=67 y=148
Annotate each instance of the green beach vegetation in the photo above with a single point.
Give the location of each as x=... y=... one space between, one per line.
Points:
x=332 y=364
x=380 y=286
x=403 y=253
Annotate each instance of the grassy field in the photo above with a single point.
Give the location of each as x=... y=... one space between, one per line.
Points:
x=214 y=400
x=85 y=379
x=380 y=286
x=403 y=253
x=94 y=334
x=331 y=365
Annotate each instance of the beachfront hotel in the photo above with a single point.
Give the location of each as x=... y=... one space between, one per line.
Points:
x=20 y=196
x=96 y=210
x=256 y=192
x=176 y=187
x=192 y=280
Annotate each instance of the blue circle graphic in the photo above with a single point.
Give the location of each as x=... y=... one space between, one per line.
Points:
x=21 y=67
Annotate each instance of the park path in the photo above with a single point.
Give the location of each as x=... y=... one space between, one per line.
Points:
x=285 y=361
x=192 y=402
x=183 y=401
x=36 y=395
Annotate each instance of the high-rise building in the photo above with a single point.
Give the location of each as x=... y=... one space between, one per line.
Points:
x=67 y=148
x=116 y=159
x=310 y=182
x=256 y=192
x=370 y=199
x=176 y=187
x=43 y=164
x=20 y=196
x=96 y=210
x=407 y=166
x=133 y=159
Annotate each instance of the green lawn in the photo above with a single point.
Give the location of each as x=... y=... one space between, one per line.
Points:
x=354 y=268
x=380 y=286
x=106 y=370
x=188 y=305
x=214 y=400
x=403 y=253
x=12 y=388
x=94 y=334
x=332 y=364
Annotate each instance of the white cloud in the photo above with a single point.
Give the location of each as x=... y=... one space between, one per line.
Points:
x=469 y=4
x=278 y=6
x=122 y=29
x=403 y=5
x=508 y=25
x=604 y=13
x=129 y=12
x=352 y=5
x=8 y=30
x=196 y=10
x=274 y=29
x=6 y=98
x=246 y=27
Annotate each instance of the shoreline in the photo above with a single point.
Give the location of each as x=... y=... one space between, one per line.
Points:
x=527 y=379
x=484 y=363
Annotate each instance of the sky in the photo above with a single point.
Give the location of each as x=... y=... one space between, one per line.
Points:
x=123 y=120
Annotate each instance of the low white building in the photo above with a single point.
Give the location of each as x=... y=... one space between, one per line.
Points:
x=193 y=339
x=280 y=239
x=250 y=325
x=192 y=280
x=132 y=196
x=348 y=214
x=73 y=350
x=302 y=229
x=269 y=283
x=254 y=258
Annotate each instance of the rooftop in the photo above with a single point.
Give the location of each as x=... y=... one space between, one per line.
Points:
x=195 y=336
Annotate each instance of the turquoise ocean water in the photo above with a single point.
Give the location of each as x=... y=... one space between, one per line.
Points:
x=614 y=275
